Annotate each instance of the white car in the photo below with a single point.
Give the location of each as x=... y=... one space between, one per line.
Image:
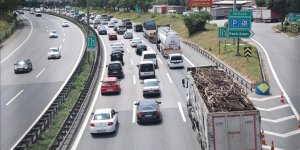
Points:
x=104 y=121
x=151 y=87
x=53 y=34
x=54 y=53
x=65 y=24
x=111 y=24
x=135 y=41
x=175 y=61
x=150 y=55
x=118 y=45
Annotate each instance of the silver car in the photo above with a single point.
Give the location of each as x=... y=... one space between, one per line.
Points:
x=53 y=34
x=151 y=87
x=128 y=35
x=135 y=41
x=54 y=53
x=65 y=24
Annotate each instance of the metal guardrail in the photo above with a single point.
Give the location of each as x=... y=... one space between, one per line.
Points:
x=218 y=63
x=47 y=117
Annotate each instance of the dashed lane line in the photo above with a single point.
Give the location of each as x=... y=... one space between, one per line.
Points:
x=169 y=78
x=40 y=73
x=159 y=60
x=181 y=112
x=273 y=108
x=131 y=61
x=278 y=120
x=14 y=97
x=188 y=61
x=264 y=99
x=134 y=82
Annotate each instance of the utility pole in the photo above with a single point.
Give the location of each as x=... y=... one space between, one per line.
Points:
x=87 y=26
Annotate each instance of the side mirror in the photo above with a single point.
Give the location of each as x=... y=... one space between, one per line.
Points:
x=158 y=81
x=136 y=103
x=158 y=102
x=15 y=64
x=106 y=65
x=138 y=66
x=92 y=113
x=142 y=82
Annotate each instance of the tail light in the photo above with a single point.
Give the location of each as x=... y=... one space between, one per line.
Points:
x=110 y=123
x=139 y=114
x=92 y=125
x=157 y=113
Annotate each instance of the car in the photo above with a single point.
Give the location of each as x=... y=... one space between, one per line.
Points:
x=151 y=87
x=110 y=85
x=135 y=41
x=65 y=24
x=102 y=30
x=117 y=55
x=54 y=53
x=138 y=28
x=104 y=21
x=128 y=35
x=175 y=61
x=117 y=45
x=112 y=36
x=115 y=20
x=20 y=11
x=115 y=69
x=140 y=48
x=24 y=65
x=150 y=55
x=128 y=24
x=121 y=29
x=146 y=69
x=104 y=120
x=117 y=49
x=111 y=24
x=38 y=14
x=115 y=28
x=148 y=111
x=53 y=34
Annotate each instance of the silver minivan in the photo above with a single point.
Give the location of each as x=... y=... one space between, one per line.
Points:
x=146 y=69
x=150 y=55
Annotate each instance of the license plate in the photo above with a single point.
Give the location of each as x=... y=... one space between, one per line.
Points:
x=115 y=72
x=148 y=115
x=109 y=90
x=101 y=131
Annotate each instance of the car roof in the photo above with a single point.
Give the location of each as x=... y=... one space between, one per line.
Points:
x=147 y=101
x=150 y=80
x=146 y=62
x=110 y=79
x=103 y=110
x=176 y=54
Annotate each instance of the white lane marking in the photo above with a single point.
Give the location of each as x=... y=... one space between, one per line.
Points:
x=277 y=80
x=134 y=112
x=181 y=112
x=40 y=73
x=264 y=99
x=127 y=50
x=169 y=78
x=188 y=61
x=31 y=29
x=159 y=60
x=278 y=120
x=60 y=47
x=273 y=108
x=85 y=123
x=284 y=135
x=54 y=97
x=131 y=61
x=51 y=60
x=134 y=82
x=64 y=34
x=63 y=39
x=47 y=30
x=14 y=97
x=269 y=147
x=46 y=27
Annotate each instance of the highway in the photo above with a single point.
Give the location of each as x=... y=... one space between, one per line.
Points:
x=175 y=132
x=25 y=96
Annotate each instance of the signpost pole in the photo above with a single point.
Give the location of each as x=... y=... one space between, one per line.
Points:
x=87 y=26
x=219 y=47
x=234 y=9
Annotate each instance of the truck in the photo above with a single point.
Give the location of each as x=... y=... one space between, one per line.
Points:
x=269 y=15
x=168 y=41
x=149 y=30
x=222 y=116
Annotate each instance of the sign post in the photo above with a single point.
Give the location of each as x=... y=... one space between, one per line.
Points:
x=294 y=17
x=91 y=40
x=239 y=24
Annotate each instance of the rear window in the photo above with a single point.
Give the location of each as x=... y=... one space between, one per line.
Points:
x=176 y=58
x=128 y=23
x=109 y=82
x=149 y=56
x=104 y=116
x=146 y=67
x=114 y=65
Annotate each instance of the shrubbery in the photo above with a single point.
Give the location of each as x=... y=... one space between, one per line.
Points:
x=196 y=21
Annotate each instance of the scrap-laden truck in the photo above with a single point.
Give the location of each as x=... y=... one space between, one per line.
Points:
x=149 y=29
x=168 y=41
x=221 y=114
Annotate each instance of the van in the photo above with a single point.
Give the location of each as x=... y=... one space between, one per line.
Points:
x=128 y=24
x=150 y=55
x=138 y=28
x=146 y=69
x=175 y=61
x=115 y=69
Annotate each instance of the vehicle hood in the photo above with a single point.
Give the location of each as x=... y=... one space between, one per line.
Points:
x=151 y=88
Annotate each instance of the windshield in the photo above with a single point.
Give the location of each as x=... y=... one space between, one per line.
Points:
x=21 y=63
x=176 y=58
x=109 y=82
x=104 y=116
x=146 y=67
x=149 y=25
x=151 y=83
x=54 y=50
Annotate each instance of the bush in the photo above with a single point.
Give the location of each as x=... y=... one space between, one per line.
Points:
x=195 y=22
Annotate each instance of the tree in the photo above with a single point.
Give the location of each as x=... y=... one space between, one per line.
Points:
x=260 y=3
x=196 y=21
x=281 y=6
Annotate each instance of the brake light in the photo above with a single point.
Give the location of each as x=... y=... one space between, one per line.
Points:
x=139 y=114
x=110 y=123
x=92 y=125
x=157 y=113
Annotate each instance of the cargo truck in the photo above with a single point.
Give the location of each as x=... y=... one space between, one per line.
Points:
x=149 y=29
x=269 y=15
x=168 y=41
x=221 y=114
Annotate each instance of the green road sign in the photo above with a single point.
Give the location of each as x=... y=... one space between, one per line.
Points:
x=294 y=17
x=239 y=23
x=76 y=12
x=91 y=42
x=240 y=33
x=222 y=33
x=240 y=13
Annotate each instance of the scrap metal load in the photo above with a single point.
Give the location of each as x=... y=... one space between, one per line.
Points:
x=218 y=90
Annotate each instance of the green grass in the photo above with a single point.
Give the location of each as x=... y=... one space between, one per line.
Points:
x=287 y=30
x=46 y=138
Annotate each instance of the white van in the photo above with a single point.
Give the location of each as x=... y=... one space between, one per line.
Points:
x=146 y=69
x=175 y=61
x=150 y=55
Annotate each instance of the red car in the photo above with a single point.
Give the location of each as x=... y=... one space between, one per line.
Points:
x=110 y=85
x=112 y=36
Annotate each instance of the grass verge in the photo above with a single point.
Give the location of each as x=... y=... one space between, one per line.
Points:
x=46 y=138
x=287 y=30
x=7 y=26
x=206 y=39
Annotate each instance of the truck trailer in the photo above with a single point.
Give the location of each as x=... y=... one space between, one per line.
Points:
x=168 y=41
x=221 y=114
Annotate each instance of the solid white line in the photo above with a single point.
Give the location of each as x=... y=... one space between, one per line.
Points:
x=278 y=120
x=188 y=61
x=264 y=99
x=181 y=112
x=56 y=94
x=14 y=98
x=85 y=123
x=159 y=60
x=64 y=34
x=273 y=108
x=269 y=147
x=131 y=61
x=31 y=29
x=40 y=73
x=277 y=80
x=169 y=78
x=127 y=50
x=63 y=39
x=284 y=135
x=134 y=82
x=134 y=112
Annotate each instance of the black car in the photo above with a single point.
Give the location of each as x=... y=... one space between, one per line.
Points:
x=23 y=66
x=138 y=28
x=117 y=56
x=140 y=48
x=148 y=111
x=38 y=14
x=102 y=30
x=128 y=24
x=115 y=69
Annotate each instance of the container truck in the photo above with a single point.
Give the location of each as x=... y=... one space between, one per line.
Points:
x=221 y=114
x=168 y=41
x=149 y=29
x=269 y=15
